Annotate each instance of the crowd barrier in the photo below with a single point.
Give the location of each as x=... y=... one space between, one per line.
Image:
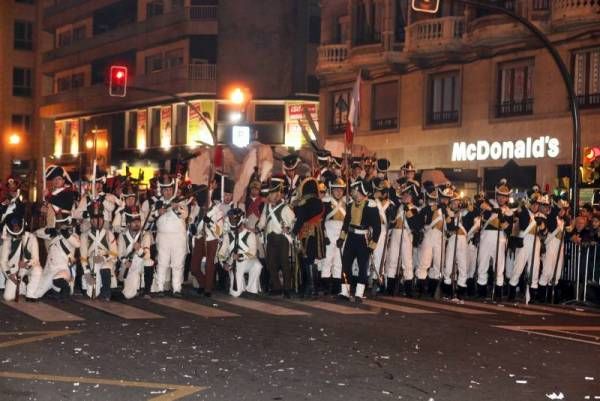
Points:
x=582 y=271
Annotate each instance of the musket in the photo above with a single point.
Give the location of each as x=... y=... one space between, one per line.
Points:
x=93 y=269
x=495 y=271
x=529 y=270
x=381 y=274
x=18 y=277
x=453 y=274
x=554 y=273
x=399 y=271
x=44 y=190
x=438 y=288
x=235 y=257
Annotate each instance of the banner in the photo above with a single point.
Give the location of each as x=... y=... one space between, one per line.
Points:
x=74 y=144
x=141 y=132
x=197 y=131
x=59 y=137
x=165 y=127
x=294 y=114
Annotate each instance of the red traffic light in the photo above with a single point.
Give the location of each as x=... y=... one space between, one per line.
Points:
x=591 y=154
x=118 y=81
x=426 y=6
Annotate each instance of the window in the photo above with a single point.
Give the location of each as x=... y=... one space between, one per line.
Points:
x=515 y=88
x=64 y=38
x=63 y=84
x=77 y=80
x=312 y=84
x=181 y=114
x=224 y=110
x=21 y=122
x=443 y=98
x=369 y=17
x=25 y=1
x=339 y=110
x=385 y=106
x=78 y=33
x=22 y=82
x=154 y=8
x=154 y=63
x=23 y=36
x=269 y=112
x=587 y=77
x=173 y=58
x=131 y=124
x=155 y=127
x=401 y=20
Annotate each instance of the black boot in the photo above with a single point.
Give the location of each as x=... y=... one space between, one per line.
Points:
x=512 y=293
x=542 y=294
x=432 y=287
x=420 y=288
x=105 y=289
x=497 y=294
x=408 y=288
x=533 y=293
x=148 y=277
x=391 y=286
x=471 y=288
x=481 y=291
x=461 y=292
x=316 y=277
x=336 y=286
x=308 y=281
x=64 y=288
x=447 y=290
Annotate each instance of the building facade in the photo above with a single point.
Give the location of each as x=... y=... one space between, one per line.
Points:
x=177 y=52
x=466 y=91
x=17 y=62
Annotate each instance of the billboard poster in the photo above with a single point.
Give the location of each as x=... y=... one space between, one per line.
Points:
x=294 y=114
x=59 y=137
x=74 y=141
x=197 y=130
x=141 y=130
x=165 y=127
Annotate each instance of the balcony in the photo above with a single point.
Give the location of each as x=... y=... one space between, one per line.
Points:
x=183 y=80
x=514 y=108
x=436 y=34
x=571 y=13
x=156 y=29
x=332 y=57
x=589 y=101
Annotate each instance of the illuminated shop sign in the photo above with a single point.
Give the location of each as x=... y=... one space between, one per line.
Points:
x=527 y=148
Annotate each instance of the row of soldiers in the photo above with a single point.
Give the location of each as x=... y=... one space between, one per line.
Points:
x=327 y=232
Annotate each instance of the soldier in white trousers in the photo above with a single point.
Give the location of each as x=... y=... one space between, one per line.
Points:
x=407 y=221
x=19 y=260
x=238 y=254
x=98 y=255
x=171 y=237
x=134 y=253
x=553 y=259
x=387 y=213
x=334 y=211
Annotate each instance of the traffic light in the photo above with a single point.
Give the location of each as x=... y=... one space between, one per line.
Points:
x=590 y=169
x=590 y=155
x=426 y=6
x=118 y=81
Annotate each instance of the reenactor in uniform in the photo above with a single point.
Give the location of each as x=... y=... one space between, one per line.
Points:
x=382 y=166
x=238 y=255
x=308 y=229
x=134 y=253
x=359 y=237
x=98 y=255
x=253 y=205
x=406 y=223
x=291 y=177
x=128 y=201
x=277 y=221
x=387 y=213
x=497 y=219
x=19 y=260
x=171 y=237
x=334 y=211
x=323 y=160
x=60 y=199
x=531 y=225
x=108 y=200
x=357 y=171
x=12 y=202
x=408 y=173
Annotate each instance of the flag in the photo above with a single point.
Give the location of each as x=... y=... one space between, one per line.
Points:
x=353 y=113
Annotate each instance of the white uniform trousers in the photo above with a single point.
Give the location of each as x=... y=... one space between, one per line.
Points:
x=471 y=260
x=549 y=261
x=487 y=253
x=331 y=266
x=88 y=287
x=134 y=279
x=172 y=249
x=430 y=251
x=34 y=275
x=460 y=241
x=252 y=267
x=49 y=274
x=391 y=268
x=523 y=258
x=378 y=252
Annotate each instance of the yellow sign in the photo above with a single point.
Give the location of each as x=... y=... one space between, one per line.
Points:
x=197 y=130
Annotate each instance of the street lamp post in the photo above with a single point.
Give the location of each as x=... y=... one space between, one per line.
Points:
x=13 y=140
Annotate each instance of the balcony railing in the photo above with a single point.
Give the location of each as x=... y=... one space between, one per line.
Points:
x=331 y=56
x=575 y=10
x=442 y=117
x=589 y=101
x=435 y=33
x=511 y=108
x=368 y=38
x=384 y=123
x=191 y=72
x=338 y=128
x=193 y=13
x=541 y=5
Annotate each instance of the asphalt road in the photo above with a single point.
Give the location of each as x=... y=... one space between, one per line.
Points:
x=271 y=349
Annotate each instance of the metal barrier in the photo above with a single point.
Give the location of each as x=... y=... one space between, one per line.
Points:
x=582 y=269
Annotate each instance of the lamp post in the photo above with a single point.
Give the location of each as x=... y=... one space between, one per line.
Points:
x=14 y=139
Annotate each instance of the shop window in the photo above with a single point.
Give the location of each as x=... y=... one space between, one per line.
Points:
x=23 y=35
x=340 y=105
x=443 y=98
x=586 y=68
x=22 y=82
x=385 y=106
x=269 y=112
x=515 y=88
x=154 y=63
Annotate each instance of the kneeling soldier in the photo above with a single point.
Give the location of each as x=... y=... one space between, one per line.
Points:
x=134 y=253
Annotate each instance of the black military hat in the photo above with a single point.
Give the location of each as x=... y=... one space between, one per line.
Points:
x=96 y=209
x=63 y=202
x=265 y=188
x=309 y=186
x=408 y=166
x=291 y=161
x=378 y=184
x=15 y=223
x=323 y=156
x=337 y=161
x=101 y=175
x=166 y=180
x=55 y=171
x=235 y=216
x=503 y=188
x=357 y=162
x=383 y=165
x=128 y=191
x=276 y=184
x=132 y=214
x=362 y=186
x=412 y=188
x=337 y=183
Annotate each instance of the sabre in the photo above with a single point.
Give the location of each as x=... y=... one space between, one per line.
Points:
x=453 y=277
x=530 y=267
x=438 y=287
x=399 y=270
x=495 y=272
x=18 y=289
